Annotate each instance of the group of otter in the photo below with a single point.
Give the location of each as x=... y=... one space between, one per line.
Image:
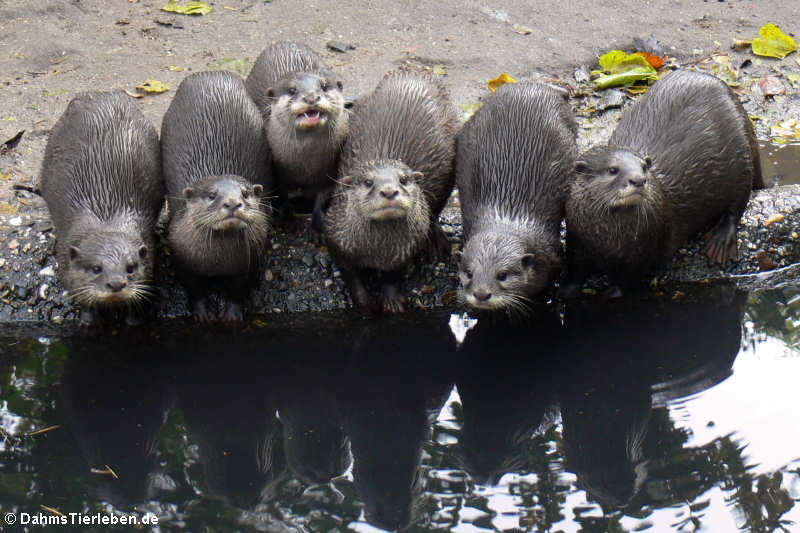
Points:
x=682 y=159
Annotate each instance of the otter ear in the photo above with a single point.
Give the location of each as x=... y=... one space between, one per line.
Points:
x=581 y=167
x=647 y=162
x=258 y=189
x=73 y=252
x=528 y=261
x=346 y=180
x=271 y=92
x=339 y=84
x=142 y=251
x=188 y=192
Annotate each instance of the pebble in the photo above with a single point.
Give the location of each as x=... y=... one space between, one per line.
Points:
x=13 y=245
x=22 y=292
x=268 y=275
x=57 y=319
x=2 y=262
x=43 y=291
x=328 y=282
x=15 y=221
x=308 y=259
x=47 y=271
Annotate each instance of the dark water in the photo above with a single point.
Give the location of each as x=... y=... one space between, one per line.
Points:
x=780 y=163
x=676 y=413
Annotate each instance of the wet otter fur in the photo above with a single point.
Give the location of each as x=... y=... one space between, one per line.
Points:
x=216 y=166
x=395 y=176
x=101 y=179
x=683 y=158
x=514 y=162
x=305 y=119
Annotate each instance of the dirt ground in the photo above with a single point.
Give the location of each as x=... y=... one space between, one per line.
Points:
x=50 y=51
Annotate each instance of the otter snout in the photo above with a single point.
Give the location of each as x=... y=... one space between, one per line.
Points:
x=232 y=204
x=390 y=193
x=482 y=295
x=637 y=181
x=311 y=98
x=116 y=284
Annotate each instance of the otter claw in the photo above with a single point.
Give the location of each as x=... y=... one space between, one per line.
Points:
x=720 y=244
x=201 y=312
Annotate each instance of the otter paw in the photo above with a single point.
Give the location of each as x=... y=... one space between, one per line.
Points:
x=391 y=299
x=232 y=313
x=720 y=246
x=202 y=312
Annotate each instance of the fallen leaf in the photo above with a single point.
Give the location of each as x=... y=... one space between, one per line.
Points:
x=5 y=176
x=153 y=86
x=189 y=8
x=522 y=30
x=133 y=94
x=772 y=42
x=620 y=68
x=794 y=79
x=231 y=8
x=765 y=262
x=652 y=59
x=8 y=209
x=241 y=66
x=740 y=44
x=771 y=86
x=502 y=79
x=439 y=70
x=634 y=90
x=723 y=70
x=785 y=131
x=773 y=219
x=467 y=110
x=173 y=68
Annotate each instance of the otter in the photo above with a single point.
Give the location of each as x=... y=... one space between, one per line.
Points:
x=395 y=176
x=217 y=170
x=682 y=158
x=305 y=118
x=514 y=164
x=101 y=179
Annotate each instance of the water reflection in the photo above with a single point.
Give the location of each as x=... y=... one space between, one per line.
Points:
x=604 y=416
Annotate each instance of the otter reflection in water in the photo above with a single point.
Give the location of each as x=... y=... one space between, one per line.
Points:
x=619 y=353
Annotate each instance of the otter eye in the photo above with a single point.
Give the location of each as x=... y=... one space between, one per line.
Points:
x=131 y=268
x=368 y=183
x=613 y=170
x=502 y=276
x=404 y=180
x=324 y=85
x=212 y=195
x=292 y=91
x=468 y=273
x=97 y=269
x=245 y=194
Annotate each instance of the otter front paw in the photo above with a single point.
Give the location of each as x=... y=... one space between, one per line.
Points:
x=202 y=312
x=392 y=300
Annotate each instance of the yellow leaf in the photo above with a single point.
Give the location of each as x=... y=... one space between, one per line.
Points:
x=173 y=68
x=522 y=30
x=502 y=79
x=794 y=79
x=620 y=68
x=189 y=8
x=773 y=219
x=467 y=110
x=153 y=86
x=772 y=42
x=439 y=70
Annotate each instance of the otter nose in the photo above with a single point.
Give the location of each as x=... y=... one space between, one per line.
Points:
x=116 y=284
x=637 y=181
x=482 y=295
x=311 y=98
x=389 y=193
x=232 y=203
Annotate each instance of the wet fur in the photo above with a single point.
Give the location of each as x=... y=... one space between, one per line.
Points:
x=705 y=162
x=101 y=179
x=211 y=132
x=407 y=119
x=513 y=170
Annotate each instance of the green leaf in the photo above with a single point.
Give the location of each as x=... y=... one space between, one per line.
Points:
x=620 y=68
x=189 y=8
x=241 y=66
x=773 y=42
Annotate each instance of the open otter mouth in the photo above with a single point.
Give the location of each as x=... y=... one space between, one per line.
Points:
x=310 y=118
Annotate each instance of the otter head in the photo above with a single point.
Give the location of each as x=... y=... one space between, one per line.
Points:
x=307 y=102
x=614 y=178
x=384 y=191
x=498 y=272
x=227 y=204
x=109 y=268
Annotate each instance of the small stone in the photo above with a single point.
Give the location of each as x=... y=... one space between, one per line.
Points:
x=43 y=227
x=336 y=274
x=47 y=271
x=427 y=289
x=276 y=310
x=13 y=245
x=794 y=236
x=276 y=246
x=324 y=260
x=328 y=282
x=26 y=248
x=22 y=292
x=57 y=319
x=339 y=46
x=2 y=262
x=15 y=221
x=308 y=259
x=268 y=275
